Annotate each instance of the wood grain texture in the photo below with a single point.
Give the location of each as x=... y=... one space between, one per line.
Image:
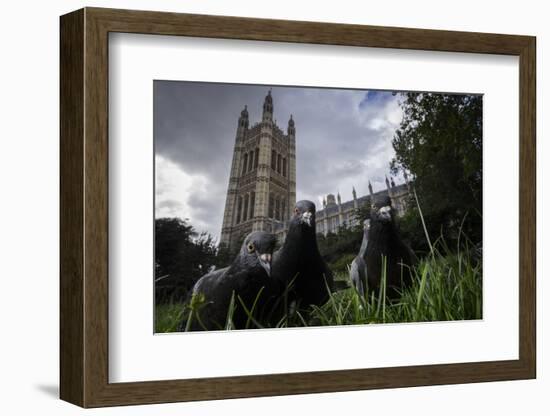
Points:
x=71 y=185
x=84 y=207
x=527 y=208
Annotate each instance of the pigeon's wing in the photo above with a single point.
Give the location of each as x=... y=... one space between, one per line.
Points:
x=327 y=273
x=207 y=284
x=358 y=274
x=252 y=288
x=284 y=267
x=213 y=286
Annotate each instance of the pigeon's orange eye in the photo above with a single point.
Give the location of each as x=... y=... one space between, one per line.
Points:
x=296 y=211
x=251 y=248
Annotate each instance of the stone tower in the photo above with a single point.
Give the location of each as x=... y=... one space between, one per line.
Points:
x=262 y=184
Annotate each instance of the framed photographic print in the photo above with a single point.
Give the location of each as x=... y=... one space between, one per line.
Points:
x=255 y=207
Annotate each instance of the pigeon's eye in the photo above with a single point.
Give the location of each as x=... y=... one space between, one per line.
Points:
x=251 y=248
x=296 y=211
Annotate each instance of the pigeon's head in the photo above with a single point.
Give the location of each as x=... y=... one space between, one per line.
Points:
x=304 y=211
x=381 y=210
x=260 y=245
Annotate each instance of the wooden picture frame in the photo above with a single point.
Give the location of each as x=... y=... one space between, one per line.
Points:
x=84 y=207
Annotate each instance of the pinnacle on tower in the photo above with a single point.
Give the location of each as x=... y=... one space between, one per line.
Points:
x=243 y=119
x=268 y=107
x=291 y=130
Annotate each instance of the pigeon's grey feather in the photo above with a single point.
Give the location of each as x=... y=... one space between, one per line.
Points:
x=384 y=242
x=358 y=270
x=298 y=262
x=249 y=273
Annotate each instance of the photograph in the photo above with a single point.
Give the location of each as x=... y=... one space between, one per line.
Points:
x=296 y=206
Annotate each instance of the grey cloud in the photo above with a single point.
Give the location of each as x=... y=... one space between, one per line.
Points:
x=195 y=125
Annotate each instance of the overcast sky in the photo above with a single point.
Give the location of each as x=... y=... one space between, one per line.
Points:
x=343 y=139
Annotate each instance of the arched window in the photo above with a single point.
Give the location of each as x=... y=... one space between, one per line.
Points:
x=245 y=211
x=256 y=156
x=252 y=202
x=284 y=167
x=277 y=209
x=250 y=160
x=273 y=160
x=270 y=210
x=245 y=163
x=239 y=209
x=279 y=159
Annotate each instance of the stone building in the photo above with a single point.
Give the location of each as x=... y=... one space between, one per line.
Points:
x=336 y=213
x=262 y=184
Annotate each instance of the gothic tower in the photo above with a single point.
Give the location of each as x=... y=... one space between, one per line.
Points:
x=262 y=184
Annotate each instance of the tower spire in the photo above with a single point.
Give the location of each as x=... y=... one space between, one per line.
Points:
x=291 y=130
x=268 y=107
x=243 y=119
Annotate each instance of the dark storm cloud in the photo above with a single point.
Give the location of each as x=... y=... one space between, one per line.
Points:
x=343 y=138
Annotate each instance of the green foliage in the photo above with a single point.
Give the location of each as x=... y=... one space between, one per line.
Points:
x=168 y=317
x=182 y=256
x=341 y=265
x=347 y=241
x=361 y=214
x=224 y=256
x=439 y=142
x=447 y=286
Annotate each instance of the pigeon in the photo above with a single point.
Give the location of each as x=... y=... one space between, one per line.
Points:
x=358 y=270
x=243 y=280
x=299 y=264
x=384 y=241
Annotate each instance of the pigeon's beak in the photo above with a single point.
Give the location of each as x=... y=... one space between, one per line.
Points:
x=265 y=261
x=306 y=218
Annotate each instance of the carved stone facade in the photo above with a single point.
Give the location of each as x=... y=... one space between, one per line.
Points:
x=336 y=213
x=262 y=184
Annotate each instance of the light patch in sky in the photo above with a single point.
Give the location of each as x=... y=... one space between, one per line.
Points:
x=174 y=192
x=343 y=140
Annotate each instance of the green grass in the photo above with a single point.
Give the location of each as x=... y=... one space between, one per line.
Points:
x=446 y=286
x=168 y=316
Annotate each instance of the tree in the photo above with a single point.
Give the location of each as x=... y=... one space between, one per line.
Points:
x=338 y=249
x=361 y=214
x=439 y=142
x=182 y=256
